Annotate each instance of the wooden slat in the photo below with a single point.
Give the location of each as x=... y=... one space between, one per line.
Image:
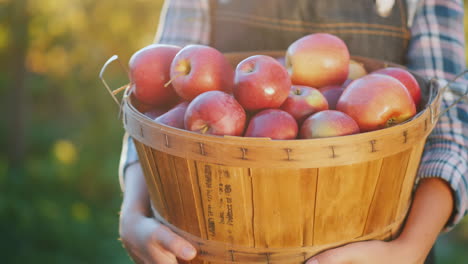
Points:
x=152 y=179
x=384 y=204
x=191 y=203
x=408 y=183
x=171 y=188
x=194 y=183
x=226 y=200
x=283 y=207
x=308 y=182
x=343 y=198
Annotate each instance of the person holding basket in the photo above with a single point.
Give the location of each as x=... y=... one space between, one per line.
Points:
x=425 y=35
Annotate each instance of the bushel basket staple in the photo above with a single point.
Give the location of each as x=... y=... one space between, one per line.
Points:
x=256 y=200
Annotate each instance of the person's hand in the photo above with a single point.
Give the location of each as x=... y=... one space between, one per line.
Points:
x=369 y=252
x=145 y=239
x=148 y=241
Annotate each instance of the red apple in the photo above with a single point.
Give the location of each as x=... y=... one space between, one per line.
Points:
x=261 y=82
x=407 y=79
x=356 y=70
x=149 y=71
x=303 y=101
x=175 y=116
x=328 y=123
x=332 y=93
x=197 y=69
x=216 y=113
x=318 y=60
x=376 y=101
x=139 y=105
x=272 y=123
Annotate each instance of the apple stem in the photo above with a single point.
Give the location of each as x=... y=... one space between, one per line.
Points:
x=391 y=122
x=204 y=129
x=298 y=91
x=173 y=78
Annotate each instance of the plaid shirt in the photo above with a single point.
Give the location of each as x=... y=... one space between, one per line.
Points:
x=437 y=49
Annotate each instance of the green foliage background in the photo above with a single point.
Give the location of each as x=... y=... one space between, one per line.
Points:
x=59 y=193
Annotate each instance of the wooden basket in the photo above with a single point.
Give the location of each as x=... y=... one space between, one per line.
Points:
x=254 y=200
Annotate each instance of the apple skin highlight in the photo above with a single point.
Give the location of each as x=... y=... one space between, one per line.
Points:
x=261 y=82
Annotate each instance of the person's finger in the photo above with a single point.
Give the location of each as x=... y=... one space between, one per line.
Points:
x=159 y=255
x=135 y=258
x=132 y=253
x=332 y=256
x=173 y=243
x=154 y=251
x=138 y=234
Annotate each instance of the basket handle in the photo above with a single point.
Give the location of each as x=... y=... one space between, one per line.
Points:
x=113 y=93
x=462 y=97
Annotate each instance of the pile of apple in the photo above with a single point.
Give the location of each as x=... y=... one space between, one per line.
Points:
x=315 y=91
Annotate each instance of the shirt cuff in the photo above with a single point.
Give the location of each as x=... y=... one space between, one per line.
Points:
x=128 y=156
x=444 y=166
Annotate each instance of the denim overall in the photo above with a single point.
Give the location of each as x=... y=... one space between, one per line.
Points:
x=249 y=25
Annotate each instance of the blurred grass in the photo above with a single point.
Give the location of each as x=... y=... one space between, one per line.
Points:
x=59 y=203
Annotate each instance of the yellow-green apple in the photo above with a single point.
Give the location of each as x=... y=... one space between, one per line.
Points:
x=272 y=123
x=328 y=123
x=356 y=70
x=332 y=93
x=149 y=71
x=304 y=101
x=174 y=117
x=216 y=113
x=407 y=79
x=376 y=101
x=197 y=69
x=318 y=60
x=261 y=82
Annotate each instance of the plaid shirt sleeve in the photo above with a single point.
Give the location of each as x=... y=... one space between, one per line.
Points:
x=181 y=22
x=437 y=49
